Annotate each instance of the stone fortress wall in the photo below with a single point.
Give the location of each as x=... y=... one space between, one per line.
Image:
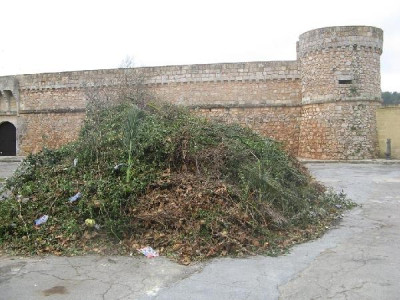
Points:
x=320 y=106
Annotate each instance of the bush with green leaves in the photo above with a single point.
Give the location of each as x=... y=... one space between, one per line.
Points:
x=249 y=192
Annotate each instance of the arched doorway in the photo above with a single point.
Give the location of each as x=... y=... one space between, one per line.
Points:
x=8 y=139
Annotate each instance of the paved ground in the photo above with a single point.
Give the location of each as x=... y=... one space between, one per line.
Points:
x=6 y=169
x=359 y=259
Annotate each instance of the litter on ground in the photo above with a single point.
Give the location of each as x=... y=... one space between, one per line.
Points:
x=149 y=252
x=41 y=220
x=75 y=197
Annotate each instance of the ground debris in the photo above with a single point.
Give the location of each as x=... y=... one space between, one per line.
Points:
x=157 y=175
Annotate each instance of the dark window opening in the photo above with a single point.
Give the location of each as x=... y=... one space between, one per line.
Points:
x=8 y=93
x=345 y=81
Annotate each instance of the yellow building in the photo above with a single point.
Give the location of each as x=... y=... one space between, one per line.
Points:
x=388 y=124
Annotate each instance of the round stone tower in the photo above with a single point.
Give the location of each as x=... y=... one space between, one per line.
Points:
x=340 y=79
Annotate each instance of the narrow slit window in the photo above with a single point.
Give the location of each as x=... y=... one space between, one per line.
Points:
x=345 y=81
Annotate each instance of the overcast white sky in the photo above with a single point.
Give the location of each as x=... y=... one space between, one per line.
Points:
x=57 y=35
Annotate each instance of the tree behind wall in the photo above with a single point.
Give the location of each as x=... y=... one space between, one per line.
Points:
x=391 y=98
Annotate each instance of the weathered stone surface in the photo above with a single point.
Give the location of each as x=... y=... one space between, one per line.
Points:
x=341 y=130
x=320 y=106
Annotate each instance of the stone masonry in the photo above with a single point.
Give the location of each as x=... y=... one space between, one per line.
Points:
x=320 y=106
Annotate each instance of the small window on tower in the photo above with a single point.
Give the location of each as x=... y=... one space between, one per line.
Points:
x=345 y=81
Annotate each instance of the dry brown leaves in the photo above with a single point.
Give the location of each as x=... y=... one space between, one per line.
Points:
x=189 y=217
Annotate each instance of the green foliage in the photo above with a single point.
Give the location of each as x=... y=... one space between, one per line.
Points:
x=391 y=98
x=123 y=153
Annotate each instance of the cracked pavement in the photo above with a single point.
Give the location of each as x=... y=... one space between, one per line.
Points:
x=366 y=264
x=357 y=259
